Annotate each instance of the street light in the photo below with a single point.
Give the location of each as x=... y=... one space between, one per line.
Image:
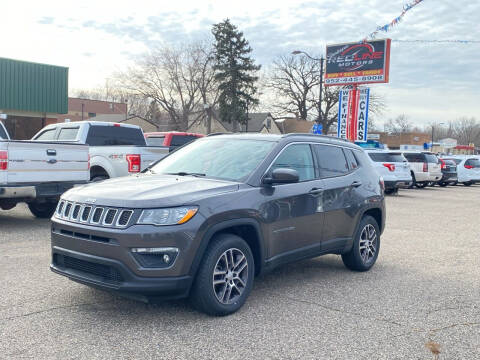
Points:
x=322 y=59
x=433 y=128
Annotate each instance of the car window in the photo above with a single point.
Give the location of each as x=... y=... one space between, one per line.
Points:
x=431 y=158
x=331 y=161
x=179 y=140
x=352 y=161
x=100 y=135
x=457 y=161
x=155 y=140
x=414 y=157
x=298 y=157
x=46 y=135
x=3 y=134
x=68 y=134
x=386 y=157
x=473 y=162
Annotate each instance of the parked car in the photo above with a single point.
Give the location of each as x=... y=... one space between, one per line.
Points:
x=424 y=167
x=170 y=139
x=210 y=216
x=449 y=172
x=468 y=169
x=115 y=149
x=393 y=167
x=39 y=172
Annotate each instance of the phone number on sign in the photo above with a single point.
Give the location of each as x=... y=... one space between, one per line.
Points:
x=355 y=79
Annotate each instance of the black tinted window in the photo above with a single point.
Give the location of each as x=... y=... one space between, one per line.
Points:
x=414 y=157
x=386 y=157
x=298 y=157
x=46 y=135
x=3 y=134
x=352 y=161
x=68 y=134
x=457 y=161
x=331 y=161
x=155 y=141
x=179 y=140
x=114 y=135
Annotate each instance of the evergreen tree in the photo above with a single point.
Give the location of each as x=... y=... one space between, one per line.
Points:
x=235 y=72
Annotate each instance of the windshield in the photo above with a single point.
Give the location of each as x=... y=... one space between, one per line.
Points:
x=386 y=157
x=223 y=158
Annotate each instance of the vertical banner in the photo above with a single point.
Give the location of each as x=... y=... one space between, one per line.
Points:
x=343 y=107
x=361 y=116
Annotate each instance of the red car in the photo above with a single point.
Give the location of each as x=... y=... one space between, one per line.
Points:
x=172 y=139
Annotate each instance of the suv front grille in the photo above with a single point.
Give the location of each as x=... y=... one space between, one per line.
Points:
x=104 y=271
x=94 y=215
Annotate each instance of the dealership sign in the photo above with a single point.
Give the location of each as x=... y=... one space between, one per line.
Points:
x=358 y=63
x=352 y=120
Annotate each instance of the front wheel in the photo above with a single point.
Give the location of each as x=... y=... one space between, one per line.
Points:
x=42 y=210
x=225 y=277
x=366 y=246
x=468 y=183
x=443 y=184
x=421 y=185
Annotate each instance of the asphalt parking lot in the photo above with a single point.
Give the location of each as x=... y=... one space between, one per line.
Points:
x=424 y=287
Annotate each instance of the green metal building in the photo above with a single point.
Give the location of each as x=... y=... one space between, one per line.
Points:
x=31 y=95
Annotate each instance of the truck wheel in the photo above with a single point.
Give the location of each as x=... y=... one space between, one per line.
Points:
x=225 y=277
x=366 y=246
x=42 y=210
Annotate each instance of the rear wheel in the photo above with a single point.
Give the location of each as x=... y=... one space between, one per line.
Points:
x=366 y=246
x=443 y=184
x=43 y=210
x=468 y=183
x=421 y=185
x=225 y=277
x=390 y=191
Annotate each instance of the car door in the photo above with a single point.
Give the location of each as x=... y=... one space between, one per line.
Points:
x=340 y=182
x=293 y=211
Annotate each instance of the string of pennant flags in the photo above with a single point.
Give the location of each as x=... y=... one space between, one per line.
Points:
x=438 y=41
x=387 y=27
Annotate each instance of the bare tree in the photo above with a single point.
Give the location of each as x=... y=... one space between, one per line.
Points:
x=466 y=130
x=401 y=124
x=179 y=79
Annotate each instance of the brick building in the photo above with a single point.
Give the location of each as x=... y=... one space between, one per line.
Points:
x=395 y=140
x=84 y=109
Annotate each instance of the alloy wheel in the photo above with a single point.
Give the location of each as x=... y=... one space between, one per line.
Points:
x=230 y=276
x=368 y=243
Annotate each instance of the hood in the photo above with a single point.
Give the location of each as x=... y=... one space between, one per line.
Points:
x=148 y=191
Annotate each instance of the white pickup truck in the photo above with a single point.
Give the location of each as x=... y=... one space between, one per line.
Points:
x=115 y=149
x=39 y=172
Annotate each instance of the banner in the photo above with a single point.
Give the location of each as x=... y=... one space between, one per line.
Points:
x=343 y=107
x=358 y=63
x=361 y=121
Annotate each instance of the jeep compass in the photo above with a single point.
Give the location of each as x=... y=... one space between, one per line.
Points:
x=205 y=220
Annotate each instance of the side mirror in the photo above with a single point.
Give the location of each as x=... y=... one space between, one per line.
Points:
x=282 y=176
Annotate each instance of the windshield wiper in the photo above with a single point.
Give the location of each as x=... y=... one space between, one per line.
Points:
x=183 y=173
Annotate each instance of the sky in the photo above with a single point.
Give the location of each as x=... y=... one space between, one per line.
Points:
x=428 y=82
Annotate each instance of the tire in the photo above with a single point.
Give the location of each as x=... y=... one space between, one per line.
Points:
x=356 y=259
x=443 y=184
x=421 y=185
x=390 y=191
x=227 y=297
x=468 y=183
x=42 y=210
x=454 y=183
x=414 y=182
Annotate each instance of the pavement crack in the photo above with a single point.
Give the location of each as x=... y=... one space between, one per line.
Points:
x=50 y=309
x=454 y=325
x=339 y=310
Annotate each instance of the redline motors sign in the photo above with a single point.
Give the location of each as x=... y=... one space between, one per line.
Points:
x=358 y=63
x=352 y=120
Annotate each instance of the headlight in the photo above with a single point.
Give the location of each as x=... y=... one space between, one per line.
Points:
x=170 y=216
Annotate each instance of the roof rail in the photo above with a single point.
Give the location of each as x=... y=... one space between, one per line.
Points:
x=316 y=135
x=219 y=133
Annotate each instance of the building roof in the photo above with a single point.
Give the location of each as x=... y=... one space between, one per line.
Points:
x=118 y=118
x=255 y=123
x=294 y=125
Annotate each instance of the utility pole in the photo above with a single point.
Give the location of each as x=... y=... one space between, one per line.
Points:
x=322 y=59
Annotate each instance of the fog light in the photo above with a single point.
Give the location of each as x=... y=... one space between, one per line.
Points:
x=166 y=258
x=155 y=257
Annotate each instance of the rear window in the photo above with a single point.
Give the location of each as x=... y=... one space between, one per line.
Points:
x=449 y=162
x=386 y=157
x=68 y=134
x=179 y=140
x=46 y=135
x=155 y=141
x=99 y=135
x=414 y=157
x=473 y=162
x=456 y=161
x=431 y=158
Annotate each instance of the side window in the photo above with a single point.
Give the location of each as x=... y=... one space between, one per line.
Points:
x=46 y=135
x=69 y=134
x=331 y=161
x=179 y=140
x=298 y=157
x=100 y=135
x=352 y=161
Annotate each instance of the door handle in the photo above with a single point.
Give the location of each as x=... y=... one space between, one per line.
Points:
x=356 y=183
x=51 y=152
x=315 y=191
x=52 y=161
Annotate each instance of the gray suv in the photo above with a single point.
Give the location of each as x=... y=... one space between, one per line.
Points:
x=208 y=218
